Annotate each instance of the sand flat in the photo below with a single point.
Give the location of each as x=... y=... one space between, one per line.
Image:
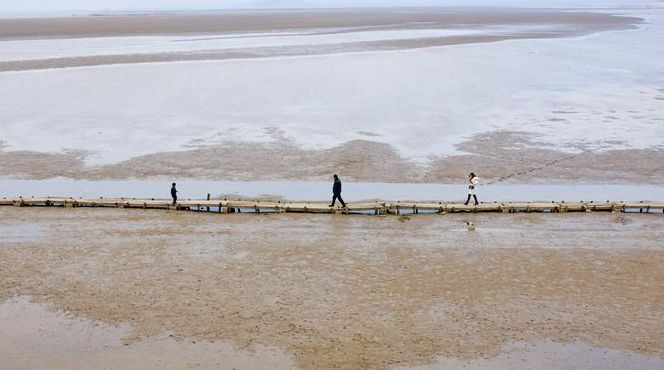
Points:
x=252 y=21
x=349 y=292
x=537 y=108
x=400 y=93
x=313 y=32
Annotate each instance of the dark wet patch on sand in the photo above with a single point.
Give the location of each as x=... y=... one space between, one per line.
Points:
x=262 y=52
x=367 y=133
x=564 y=112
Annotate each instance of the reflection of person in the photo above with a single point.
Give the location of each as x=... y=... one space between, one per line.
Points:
x=472 y=183
x=174 y=193
x=336 y=192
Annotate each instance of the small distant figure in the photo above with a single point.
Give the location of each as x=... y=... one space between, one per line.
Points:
x=472 y=183
x=336 y=192
x=174 y=193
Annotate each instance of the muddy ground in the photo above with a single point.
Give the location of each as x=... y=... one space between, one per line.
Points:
x=365 y=292
x=334 y=20
x=496 y=156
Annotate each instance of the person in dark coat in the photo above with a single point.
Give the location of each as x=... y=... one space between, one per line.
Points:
x=174 y=193
x=336 y=192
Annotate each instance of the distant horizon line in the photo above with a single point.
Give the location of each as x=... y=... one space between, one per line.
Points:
x=92 y=12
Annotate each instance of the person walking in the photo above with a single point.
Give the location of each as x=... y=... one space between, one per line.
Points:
x=472 y=183
x=174 y=193
x=336 y=192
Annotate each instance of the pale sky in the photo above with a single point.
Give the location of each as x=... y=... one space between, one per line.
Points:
x=12 y=6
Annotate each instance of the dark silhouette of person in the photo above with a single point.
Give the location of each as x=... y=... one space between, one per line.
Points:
x=336 y=192
x=472 y=183
x=174 y=193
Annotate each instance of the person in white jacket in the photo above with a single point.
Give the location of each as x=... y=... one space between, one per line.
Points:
x=472 y=184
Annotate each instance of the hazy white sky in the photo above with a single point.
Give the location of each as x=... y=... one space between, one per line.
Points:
x=8 y=6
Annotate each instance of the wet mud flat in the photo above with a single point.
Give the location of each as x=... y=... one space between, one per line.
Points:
x=499 y=156
x=332 y=291
x=334 y=20
x=517 y=24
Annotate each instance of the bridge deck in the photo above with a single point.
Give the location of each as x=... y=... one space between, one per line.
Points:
x=227 y=206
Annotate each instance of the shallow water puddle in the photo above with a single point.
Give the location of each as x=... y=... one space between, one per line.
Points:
x=551 y=356
x=16 y=233
x=34 y=337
